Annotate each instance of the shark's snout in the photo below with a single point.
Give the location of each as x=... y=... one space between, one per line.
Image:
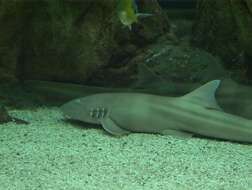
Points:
x=71 y=109
x=79 y=109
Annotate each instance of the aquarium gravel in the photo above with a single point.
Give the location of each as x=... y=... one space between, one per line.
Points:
x=50 y=153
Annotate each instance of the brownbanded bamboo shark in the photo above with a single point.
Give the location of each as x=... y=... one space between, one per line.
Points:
x=196 y=113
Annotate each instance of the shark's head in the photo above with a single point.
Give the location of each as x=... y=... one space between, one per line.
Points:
x=88 y=109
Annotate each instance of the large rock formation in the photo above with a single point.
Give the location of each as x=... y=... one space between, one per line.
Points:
x=225 y=29
x=70 y=40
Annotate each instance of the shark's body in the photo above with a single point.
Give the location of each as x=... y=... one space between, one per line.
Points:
x=194 y=113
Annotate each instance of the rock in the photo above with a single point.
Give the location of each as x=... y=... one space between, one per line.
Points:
x=10 y=38
x=5 y=117
x=225 y=29
x=175 y=63
x=70 y=40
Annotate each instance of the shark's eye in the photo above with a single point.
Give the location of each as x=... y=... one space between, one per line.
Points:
x=77 y=101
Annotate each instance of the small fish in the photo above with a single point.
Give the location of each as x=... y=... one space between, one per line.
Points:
x=128 y=13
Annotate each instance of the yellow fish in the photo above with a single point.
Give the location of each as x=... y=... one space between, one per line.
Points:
x=127 y=12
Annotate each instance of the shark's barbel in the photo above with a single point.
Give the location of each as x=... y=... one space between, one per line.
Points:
x=194 y=113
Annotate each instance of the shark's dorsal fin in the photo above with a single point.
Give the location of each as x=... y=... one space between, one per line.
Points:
x=205 y=95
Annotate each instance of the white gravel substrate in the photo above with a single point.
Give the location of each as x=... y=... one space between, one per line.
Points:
x=52 y=154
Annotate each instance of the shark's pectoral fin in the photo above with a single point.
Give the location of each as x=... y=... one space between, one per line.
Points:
x=110 y=126
x=180 y=134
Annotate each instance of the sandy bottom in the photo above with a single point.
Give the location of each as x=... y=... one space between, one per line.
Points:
x=52 y=154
